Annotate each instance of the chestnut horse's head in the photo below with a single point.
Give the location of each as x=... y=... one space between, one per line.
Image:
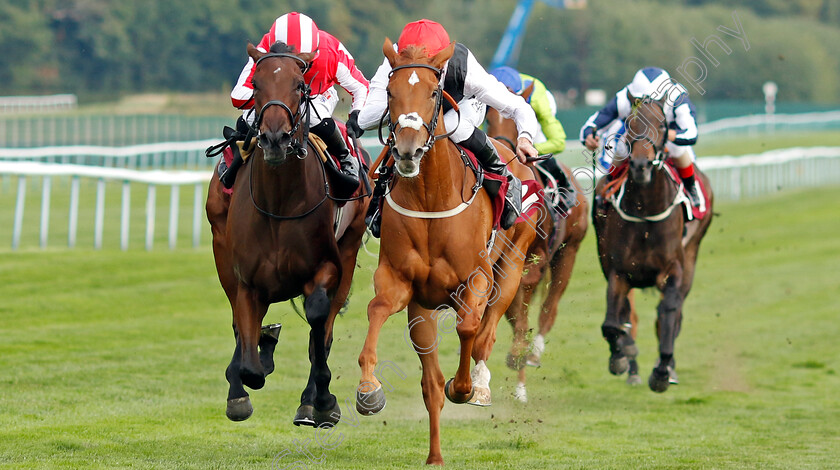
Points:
x=279 y=96
x=647 y=133
x=414 y=103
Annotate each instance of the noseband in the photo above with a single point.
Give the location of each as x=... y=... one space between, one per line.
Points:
x=394 y=127
x=297 y=147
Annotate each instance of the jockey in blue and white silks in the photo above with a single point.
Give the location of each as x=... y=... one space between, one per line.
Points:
x=680 y=116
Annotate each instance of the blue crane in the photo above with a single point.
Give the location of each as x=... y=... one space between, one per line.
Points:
x=508 y=51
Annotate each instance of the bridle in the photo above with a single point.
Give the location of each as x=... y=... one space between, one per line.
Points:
x=395 y=128
x=299 y=119
x=659 y=148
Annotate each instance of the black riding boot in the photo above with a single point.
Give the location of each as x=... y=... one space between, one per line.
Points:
x=227 y=174
x=373 y=218
x=488 y=157
x=337 y=147
x=691 y=189
x=567 y=192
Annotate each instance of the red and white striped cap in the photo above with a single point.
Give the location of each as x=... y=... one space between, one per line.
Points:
x=296 y=30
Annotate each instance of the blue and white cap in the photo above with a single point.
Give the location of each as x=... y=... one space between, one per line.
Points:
x=509 y=78
x=649 y=82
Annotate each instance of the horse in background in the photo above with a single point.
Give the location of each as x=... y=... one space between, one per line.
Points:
x=645 y=240
x=279 y=236
x=551 y=259
x=437 y=225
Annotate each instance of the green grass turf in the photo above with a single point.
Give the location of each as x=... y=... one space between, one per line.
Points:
x=116 y=359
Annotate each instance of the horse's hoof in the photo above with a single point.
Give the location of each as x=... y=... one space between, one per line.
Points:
x=480 y=397
x=619 y=364
x=520 y=393
x=454 y=397
x=370 y=403
x=305 y=416
x=272 y=330
x=327 y=418
x=634 y=379
x=630 y=350
x=659 y=381
x=516 y=363
x=239 y=409
x=533 y=360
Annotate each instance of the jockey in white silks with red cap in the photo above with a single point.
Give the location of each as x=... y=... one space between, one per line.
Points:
x=473 y=89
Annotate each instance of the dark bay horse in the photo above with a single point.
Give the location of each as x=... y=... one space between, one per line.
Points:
x=556 y=258
x=647 y=243
x=436 y=225
x=276 y=238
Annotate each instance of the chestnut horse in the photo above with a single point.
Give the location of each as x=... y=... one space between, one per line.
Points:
x=651 y=247
x=275 y=238
x=558 y=257
x=436 y=225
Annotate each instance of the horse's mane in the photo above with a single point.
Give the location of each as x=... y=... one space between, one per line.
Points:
x=281 y=48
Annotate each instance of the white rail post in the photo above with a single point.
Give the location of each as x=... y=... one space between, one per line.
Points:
x=45 y=210
x=21 y=199
x=197 y=200
x=99 y=217
x=174 y=201
x=150 y=217
x=125 y=215
x=73 y=218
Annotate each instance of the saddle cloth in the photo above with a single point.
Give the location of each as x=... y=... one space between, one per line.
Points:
x=532 y=193
x=690 y=212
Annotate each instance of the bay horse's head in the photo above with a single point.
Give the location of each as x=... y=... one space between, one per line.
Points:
x=647 y=133
x=414 y=104
x=280 y=97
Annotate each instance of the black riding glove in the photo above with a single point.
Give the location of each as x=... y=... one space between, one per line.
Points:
x=353 y=129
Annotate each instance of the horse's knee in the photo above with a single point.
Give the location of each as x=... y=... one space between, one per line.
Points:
x=317 y=307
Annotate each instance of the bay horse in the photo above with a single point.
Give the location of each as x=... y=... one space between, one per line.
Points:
x=555 y=256
x=653 y=247
x=276 y=238
x=436 y=224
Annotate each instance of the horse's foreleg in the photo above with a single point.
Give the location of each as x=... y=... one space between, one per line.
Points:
x=668 y=320
x=238 y=403
x=392 y=295
x=471 y=298
x=317 y=309
x=248 y=313
x=425 y=339
x=613 y=328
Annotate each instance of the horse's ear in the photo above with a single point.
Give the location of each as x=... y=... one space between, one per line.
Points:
x=307 y=57
x=253 y=52
x=441 y=57
x=526 y=93
x=389 y=51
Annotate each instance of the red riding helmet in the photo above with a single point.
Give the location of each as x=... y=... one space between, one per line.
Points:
x=424 y=33
x=296 y=30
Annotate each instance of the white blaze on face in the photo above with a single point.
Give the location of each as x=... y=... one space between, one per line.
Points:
x=277 y=70
x=411 y=120
x=413 y=79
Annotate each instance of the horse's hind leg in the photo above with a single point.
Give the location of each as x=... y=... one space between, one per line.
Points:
x=517 y=316
x=424 y=339
x=668 y=323
x=613 y=328
x=471 y=298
